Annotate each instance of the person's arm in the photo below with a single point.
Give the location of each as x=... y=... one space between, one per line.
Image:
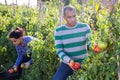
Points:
x=88 y=40
x=30 y=61
x=88 y=37
x=59 y=48
x=29 y=53
x=18 y=60
x=31 y=42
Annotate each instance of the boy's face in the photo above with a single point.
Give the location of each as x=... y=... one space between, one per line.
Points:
x=70 y=17
x=16 y=42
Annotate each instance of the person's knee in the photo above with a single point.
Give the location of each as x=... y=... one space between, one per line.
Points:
x=54 y=78
x=59 y=78
x=63 y=72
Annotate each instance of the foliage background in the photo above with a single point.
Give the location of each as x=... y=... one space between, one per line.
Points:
x=103 y=22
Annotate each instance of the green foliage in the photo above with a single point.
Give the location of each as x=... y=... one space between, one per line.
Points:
x=44 y=56
x=105 y=27
x=103 y=65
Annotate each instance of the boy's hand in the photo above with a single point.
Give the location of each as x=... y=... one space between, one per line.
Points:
x=71 y=63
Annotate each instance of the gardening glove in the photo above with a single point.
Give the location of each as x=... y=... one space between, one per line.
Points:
x=27 y=65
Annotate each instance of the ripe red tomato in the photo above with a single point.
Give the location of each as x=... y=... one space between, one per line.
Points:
x=96 y=48
x=10 y=71
x=76 y=66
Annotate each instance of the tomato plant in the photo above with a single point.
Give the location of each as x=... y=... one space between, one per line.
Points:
x=105 y=33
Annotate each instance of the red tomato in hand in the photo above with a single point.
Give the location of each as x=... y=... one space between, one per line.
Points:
x=76 y=66
x=10 y=71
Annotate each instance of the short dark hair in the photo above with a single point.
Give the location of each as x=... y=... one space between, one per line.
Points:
x=68 y=8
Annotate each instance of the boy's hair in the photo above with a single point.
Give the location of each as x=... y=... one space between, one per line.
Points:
x=68 y=8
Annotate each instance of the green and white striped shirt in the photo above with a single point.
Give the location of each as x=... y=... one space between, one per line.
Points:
x=71 y=42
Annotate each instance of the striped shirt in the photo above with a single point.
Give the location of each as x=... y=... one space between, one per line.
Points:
x=71 y=42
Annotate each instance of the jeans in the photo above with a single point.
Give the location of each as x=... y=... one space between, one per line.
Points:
x=63 y=72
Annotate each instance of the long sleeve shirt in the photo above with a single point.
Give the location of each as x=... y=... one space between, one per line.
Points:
x=23 y=50
x=71 y=42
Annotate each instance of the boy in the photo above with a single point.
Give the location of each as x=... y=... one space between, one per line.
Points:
x=71 y=40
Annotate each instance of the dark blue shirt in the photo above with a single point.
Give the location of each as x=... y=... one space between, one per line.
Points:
x=22 y=51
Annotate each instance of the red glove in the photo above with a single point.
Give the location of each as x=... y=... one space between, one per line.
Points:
x=96 y=48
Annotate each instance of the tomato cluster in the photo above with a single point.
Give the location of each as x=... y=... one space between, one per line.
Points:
x=100 y=46
x=74 y=65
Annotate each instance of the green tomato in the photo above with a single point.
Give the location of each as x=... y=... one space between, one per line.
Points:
x=102 y=45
